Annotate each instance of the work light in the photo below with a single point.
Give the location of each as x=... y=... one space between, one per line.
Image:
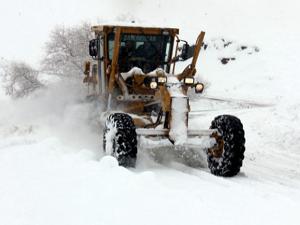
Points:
x=188 y=80
x=162 y=80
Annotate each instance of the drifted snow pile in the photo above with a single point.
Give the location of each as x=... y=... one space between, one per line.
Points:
x=58 y=110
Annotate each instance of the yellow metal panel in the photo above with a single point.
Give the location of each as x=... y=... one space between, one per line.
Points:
x=114 y=61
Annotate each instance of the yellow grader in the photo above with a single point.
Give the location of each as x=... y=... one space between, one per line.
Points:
x=132 y=74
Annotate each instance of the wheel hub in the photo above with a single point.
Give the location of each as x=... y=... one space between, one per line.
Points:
x=216 y=150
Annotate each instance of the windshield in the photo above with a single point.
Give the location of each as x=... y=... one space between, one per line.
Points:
x=147 y=52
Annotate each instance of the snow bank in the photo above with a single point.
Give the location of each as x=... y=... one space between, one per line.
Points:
x=60 y=109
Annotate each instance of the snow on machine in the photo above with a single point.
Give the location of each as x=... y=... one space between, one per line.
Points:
x=133 y=75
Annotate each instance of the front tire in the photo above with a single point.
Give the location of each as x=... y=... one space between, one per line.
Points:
x=227 y=161
x=120 y=139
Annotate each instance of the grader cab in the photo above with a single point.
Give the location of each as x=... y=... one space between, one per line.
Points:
x=132 y=74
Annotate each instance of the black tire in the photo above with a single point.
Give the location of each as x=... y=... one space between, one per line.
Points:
x=232 y=133
x=120 y=139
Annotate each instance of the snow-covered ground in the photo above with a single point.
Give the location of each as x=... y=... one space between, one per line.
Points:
x=52 y=169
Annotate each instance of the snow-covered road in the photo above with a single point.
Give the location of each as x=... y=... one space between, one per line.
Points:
x=53 y=172
x=47 y=182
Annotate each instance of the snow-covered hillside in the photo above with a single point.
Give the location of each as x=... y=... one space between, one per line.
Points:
x=52 y=168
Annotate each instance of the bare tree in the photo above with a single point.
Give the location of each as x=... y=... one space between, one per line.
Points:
x=19 y=79
x=66 y=50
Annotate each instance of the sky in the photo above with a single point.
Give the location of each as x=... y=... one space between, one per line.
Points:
x=26 y=24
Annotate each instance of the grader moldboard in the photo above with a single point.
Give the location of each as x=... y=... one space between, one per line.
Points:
x=133 y=75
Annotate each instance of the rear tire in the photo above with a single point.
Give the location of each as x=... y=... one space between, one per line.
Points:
x=232 y=134
x=120 y=139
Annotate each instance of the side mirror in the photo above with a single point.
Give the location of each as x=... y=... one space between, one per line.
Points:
x=94 y=48
x=185 y=51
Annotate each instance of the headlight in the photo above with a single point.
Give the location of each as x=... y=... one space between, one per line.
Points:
x=199 y=87
x=153 y=84
x=150 y=82
x=162 y=80
x=188 y=80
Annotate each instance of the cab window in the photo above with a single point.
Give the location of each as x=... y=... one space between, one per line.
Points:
x=147 y=52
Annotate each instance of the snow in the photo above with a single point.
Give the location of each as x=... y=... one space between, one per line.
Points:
x=132 y=72
x=174 y=86
x=178 y=129
x=52 y=168
x=112 y=131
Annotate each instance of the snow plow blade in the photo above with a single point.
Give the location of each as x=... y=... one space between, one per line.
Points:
x=165 y=132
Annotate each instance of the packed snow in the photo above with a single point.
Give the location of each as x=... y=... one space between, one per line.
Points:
x=52 y=168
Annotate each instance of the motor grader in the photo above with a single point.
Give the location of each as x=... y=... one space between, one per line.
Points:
x=132 y=73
